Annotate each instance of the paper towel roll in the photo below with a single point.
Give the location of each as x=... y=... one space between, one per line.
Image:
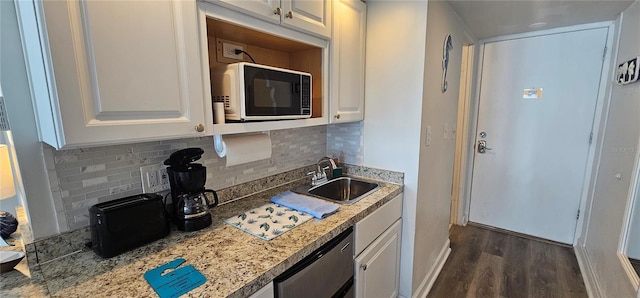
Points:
x=247 y=148
x=218 y=113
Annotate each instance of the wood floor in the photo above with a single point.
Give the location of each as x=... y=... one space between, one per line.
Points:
x=636 y=265
x=487 y=263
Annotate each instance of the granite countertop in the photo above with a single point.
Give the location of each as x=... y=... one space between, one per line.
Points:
x=20 y=282
x=235 y=263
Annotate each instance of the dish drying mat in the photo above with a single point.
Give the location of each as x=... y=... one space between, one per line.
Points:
x=268 y=221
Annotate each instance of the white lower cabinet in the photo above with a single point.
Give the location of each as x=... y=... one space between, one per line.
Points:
x=265 y=292
x=378 y=267
x=377 y=250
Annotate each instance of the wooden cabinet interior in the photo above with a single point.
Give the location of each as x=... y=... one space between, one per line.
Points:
x=268 y=50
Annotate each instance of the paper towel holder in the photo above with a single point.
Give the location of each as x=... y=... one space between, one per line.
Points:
x=221 y=148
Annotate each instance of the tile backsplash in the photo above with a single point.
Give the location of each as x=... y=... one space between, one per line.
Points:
x=83 y=177
x=345 y=141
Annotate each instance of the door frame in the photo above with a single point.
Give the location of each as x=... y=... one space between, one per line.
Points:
x=461 y=216
x=467 y=79
x=630 y=209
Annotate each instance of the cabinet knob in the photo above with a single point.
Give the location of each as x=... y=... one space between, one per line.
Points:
x=199 y=127
x=337 y=116
x=289 y=15
x=278 y=11
x=364 y=267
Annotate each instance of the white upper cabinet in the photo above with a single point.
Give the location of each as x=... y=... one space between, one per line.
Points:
x=347 y=61
x=312 y=16
x=116 y=71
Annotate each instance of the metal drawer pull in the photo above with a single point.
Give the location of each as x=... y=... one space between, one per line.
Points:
x=344 y=247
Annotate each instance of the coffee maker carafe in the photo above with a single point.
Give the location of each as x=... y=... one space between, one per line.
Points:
x=190 y=202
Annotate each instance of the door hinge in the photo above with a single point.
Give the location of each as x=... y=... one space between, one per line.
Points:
x=604 y=53
x=578 y=216
x=591 y=138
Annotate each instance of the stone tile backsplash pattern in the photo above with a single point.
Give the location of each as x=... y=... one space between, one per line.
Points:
x=344 y=141
x=80 y=178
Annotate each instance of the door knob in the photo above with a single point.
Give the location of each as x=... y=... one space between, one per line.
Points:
x=482 y=146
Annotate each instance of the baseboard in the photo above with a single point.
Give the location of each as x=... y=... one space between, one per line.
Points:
x=430 y=279
x=588 y=274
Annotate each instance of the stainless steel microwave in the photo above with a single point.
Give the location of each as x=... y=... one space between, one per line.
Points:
x=258 y=92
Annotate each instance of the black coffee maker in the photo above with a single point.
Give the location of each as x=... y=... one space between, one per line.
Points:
x=191 y=204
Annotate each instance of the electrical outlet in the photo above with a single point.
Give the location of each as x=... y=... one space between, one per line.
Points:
x=229 y=51
x=163 y=176
x=154 y=178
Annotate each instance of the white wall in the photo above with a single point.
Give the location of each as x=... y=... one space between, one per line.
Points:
x=633 y=246
x=598 y=246
x=439 y=110
x=403 y=95
x=23 y=125
x=396 y=33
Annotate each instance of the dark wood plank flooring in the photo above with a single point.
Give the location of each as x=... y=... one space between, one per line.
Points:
x=488 y=263
x=636 y=265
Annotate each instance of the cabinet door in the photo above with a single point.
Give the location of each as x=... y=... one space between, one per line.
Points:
x=264 y=9
x=378 y=267
x=124 y=70
x=309 y=15
x=347 y=61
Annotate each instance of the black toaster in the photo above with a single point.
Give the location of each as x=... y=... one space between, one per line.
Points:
x=124 y=224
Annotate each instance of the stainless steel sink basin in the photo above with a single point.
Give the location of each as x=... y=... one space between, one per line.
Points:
x=343 y=190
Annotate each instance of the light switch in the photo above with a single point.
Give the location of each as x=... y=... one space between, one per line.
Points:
x=445 y=131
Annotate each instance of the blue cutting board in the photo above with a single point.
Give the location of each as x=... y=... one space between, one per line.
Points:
x=170 y=281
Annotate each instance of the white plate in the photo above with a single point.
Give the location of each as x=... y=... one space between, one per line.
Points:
x=9 y=259
x=8 y=256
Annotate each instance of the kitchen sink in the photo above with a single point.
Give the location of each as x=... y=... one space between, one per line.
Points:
x=343 y=190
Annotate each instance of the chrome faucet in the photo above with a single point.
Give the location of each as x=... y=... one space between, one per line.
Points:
x=319 y=176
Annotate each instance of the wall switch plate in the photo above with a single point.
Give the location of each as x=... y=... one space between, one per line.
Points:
x=154 y=178
x=445 y=131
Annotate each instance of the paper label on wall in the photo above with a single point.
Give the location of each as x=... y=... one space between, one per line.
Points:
x=534 y=93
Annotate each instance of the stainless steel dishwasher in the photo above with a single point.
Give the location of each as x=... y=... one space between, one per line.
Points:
x=327 y=272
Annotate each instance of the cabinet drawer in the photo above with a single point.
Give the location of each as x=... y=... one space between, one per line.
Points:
x=368 y=229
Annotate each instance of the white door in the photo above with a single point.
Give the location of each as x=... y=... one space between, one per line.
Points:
x=531 y=180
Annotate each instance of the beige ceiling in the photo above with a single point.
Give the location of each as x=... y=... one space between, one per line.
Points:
x=494 y=18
